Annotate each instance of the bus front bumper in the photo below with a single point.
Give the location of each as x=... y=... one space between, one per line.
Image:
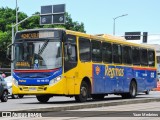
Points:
x=37 y=90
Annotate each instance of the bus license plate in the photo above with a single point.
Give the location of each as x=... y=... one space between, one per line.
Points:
x=32 y=88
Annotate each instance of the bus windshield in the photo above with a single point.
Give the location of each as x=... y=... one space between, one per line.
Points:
x=38 y=54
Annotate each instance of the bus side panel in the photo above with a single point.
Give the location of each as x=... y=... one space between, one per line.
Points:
x=128 y=75
x=98 y=79
x=83 y=70
x=109 y=82
x=110 y=73
x=73 y=79
x=140 y=78
x=111 y=79
x=151 y=81
x=146 y=79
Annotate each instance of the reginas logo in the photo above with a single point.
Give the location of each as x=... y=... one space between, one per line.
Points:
x=97 y=70
x=113 y=72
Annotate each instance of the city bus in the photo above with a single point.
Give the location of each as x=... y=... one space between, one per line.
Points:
x=52 y=62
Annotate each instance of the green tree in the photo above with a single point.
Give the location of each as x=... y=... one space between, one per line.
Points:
x=4 y=41
x=8 y=18
x=33 y=22
x=73 y=25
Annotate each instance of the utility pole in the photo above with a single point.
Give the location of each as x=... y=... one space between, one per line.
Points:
x=16 y=16
x=114 y=24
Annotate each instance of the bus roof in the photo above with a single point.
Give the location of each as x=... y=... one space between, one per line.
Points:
x=109 y=38
x=101 y=37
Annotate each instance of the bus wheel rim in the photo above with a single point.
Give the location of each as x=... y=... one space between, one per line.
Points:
x=83 y=92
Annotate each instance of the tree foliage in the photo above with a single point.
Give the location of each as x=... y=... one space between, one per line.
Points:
x=8 y=18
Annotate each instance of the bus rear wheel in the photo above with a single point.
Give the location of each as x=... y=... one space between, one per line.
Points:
x=43 y=98
x=82 y=97
x=147 y=92
x=132 y=91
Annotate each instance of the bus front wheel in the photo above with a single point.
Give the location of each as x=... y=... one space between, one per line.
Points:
x=82 y=97
x=20 y=96
x=43 y=98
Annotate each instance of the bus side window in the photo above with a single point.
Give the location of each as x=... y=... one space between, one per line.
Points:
x=126 y=55
x=135 y=56
x=107 y=52
x=74 y=53
x=96 y=51
x=151 y=58
x=117 y=53
x=70 y=59
x=71 y=40
x=84 y=49
x=144 y=57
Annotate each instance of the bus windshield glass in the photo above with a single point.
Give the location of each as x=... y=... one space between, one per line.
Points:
x=38 y=54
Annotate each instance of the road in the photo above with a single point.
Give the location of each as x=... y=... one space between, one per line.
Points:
x=141 y=111
x=55 y=103
x=133 y=111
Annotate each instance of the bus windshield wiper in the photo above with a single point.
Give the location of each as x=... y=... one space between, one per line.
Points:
x=43 y=47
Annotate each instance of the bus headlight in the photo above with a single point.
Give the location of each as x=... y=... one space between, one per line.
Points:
x=15 y=82
x=55 y=80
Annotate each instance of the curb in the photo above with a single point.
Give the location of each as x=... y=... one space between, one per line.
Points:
x=94 y=105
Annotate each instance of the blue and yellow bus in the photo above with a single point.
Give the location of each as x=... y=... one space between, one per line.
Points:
x=57 y=62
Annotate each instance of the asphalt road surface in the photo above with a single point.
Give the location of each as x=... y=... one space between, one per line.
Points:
x=30 y=102
x=134 y=111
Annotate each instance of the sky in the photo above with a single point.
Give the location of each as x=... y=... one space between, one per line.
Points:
x=97 y=15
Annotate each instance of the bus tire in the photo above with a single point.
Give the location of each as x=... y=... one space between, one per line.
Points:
x=147 y=92
x=4 y=97
x=82 y=97
x=43 y=98
x=20 y=96
x=133 y=90
x=98 y=97
x=14 y=96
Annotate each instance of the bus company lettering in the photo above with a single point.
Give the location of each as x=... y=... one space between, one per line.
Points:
x=114 y=72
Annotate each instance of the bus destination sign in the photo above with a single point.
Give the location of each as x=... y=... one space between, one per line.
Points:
x=37 y=34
